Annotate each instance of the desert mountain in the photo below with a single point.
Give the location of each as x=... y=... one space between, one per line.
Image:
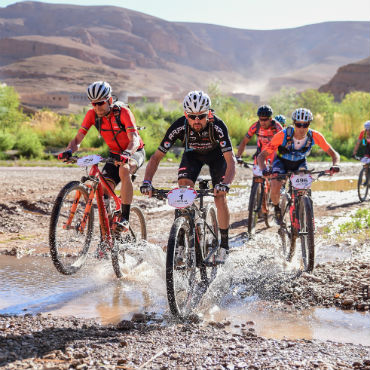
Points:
x=351 y=77
x=55 y=47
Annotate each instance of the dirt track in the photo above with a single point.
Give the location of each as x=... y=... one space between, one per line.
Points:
x=25 y=204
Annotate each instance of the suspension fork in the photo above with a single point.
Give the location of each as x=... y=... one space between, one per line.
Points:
x=72 y=211
x=87 y=209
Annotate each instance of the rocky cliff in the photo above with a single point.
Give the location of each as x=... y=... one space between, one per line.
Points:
x=351 y=77
x=146 y=54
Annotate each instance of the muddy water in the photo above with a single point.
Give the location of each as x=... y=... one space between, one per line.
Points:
x=33 y=285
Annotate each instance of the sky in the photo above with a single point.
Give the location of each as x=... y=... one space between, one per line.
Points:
x=248 y=14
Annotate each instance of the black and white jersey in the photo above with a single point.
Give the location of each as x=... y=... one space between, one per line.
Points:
x=214 y=135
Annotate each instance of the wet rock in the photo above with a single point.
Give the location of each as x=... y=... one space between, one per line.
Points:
x=139 y=317
x=125 y=325
x=347 y=302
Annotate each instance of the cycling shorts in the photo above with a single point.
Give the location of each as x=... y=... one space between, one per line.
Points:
x=282 y=165
x=111 y=171
x=192 y=163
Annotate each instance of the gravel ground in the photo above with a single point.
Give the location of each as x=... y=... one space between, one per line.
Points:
x=47 y=342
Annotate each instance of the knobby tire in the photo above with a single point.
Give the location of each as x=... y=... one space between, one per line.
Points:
x=363 y=184
x=69 y=247
x=306 y=232
x=255 y=200
x=130 y=239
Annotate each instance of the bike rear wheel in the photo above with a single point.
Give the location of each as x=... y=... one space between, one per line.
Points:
x=69 y=245
x=363 y=184
x=286 y=231
x=306 y=233
x=130 y=241
x=255 y=200
x=185 y=283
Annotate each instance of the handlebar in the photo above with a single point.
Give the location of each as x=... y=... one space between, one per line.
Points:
x=161 y=194
x=330 y=172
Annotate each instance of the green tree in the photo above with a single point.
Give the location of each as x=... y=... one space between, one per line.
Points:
x=285 y=102
x=10 y=116
x=318 y=102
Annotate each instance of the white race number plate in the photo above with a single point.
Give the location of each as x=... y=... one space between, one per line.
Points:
x=301 y=181
x=89 y=160
x=181 y=197
x=256 y=170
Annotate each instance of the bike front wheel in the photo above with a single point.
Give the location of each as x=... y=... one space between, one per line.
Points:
x=363 y=184
x=131 y=241
x=269 y=208
x=185 y=285
x=286 y=230
x=69 y=241
x=255 y=200
x=306 y=234
x=210 y=243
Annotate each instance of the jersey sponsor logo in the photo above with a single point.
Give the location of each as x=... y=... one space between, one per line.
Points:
x=219 y=131
x=223 y=144
x=167 y=144
x=175 y=132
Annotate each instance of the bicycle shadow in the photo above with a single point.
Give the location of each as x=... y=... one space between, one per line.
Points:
x=39 y=344
x=344 y=205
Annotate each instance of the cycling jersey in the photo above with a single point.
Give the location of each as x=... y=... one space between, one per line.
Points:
x=280 y=141
x=115 y=137
x=214 y=135
x=264 y=135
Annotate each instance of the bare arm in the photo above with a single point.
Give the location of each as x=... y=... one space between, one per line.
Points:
x=74 y=144
x=356 y=147
x=230 y=169
x=334 y=156
x=134 y=142
x=242 y=145
x=152 y=165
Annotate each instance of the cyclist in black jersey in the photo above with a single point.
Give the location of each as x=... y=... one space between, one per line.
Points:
x=206 y=141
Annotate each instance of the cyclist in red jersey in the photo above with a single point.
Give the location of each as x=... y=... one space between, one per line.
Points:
x=363 y=139
x=116 y=124
x=265 y=128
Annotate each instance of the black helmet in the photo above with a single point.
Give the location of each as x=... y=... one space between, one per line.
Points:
x=264 y=111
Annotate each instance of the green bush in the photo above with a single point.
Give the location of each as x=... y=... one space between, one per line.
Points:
x=7 y=141
x=29 y=144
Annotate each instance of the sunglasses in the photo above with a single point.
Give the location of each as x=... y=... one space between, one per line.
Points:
x=195 y=116
x=99 y=103
x=299 y=125
x=264 y=119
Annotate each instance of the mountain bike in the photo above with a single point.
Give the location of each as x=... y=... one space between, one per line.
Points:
x=191 y=248
x=259 y=204
x=72 y=221
x=297 y=219
x=363 y=179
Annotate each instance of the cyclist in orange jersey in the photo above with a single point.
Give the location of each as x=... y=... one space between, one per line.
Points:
x=265 y=128
x=293 y=145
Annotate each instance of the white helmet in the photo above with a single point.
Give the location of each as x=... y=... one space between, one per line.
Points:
x=302 y=114
x=196 y=101
x=99 y=90
x=367 y=125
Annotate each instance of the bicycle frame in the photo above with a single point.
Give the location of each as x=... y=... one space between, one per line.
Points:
x=97 y=188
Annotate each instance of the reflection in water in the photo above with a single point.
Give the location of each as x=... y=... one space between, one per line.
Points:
x=33 y=285
x=319 y=323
